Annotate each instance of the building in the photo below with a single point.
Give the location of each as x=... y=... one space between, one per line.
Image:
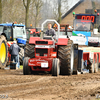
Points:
x=83 y=6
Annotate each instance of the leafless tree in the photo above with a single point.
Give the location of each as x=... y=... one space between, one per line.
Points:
x=0 y=11
x=38 y=4
x=60 y=9
x=93 y=6
x=26 y=5
x=13 y=10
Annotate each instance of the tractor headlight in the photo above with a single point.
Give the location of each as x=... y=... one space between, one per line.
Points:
x=45 y=55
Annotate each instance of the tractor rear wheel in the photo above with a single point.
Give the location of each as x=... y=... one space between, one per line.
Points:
x=29 y=50
x=26 y=68
x=3 y=52
x=66 y=56
x=96 y=65
x=21 y=56
x=55 y=67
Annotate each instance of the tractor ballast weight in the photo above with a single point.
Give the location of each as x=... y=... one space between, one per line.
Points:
x=46 y=54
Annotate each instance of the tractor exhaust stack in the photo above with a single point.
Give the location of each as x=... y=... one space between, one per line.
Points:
x=41 y=36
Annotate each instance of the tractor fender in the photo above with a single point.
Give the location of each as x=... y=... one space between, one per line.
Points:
x=62 y=41
x=4 y=35
x=33 y=39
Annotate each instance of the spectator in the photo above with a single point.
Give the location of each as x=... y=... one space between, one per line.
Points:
x=82 y=27
x=14 y=51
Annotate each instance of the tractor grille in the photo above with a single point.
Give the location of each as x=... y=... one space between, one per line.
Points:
x=42 y=51
x=41 y=42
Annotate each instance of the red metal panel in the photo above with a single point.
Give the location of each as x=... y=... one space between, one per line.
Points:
x=53 y=54
x=99 y=57
x=86 y=56
x=40 y=69
x=32 y=31
x=9 y=55
x=62 y=41
x=35 y=64
x=50 y=42
x=9 y=43
x=37 y=32
x=33 y=39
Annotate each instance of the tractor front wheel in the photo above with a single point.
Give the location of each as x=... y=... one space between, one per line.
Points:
x=26 y=68
x=29 y=50
x=21 y=56
x=55 y=67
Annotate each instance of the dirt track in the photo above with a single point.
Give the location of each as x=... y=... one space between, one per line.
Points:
x=46 y=87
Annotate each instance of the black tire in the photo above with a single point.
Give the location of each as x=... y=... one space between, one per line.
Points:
x=66 y=56
x=26 y=68
x=3 y=53
x=21 y=56
x=96 y=65
x=29 y=50
x=55 y=67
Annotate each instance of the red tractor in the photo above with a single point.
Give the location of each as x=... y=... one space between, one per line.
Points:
x=47 y=54
x=32 y=32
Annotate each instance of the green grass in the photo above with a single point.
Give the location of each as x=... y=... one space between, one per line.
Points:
x=21 y=66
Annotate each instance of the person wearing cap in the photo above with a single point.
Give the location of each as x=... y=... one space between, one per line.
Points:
x=50 y=31
x=82 y=27
x=14 y=51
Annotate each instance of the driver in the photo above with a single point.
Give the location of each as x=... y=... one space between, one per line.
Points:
x=82 y=27
x=50 y=31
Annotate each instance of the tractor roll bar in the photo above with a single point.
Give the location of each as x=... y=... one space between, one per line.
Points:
x=51 y=20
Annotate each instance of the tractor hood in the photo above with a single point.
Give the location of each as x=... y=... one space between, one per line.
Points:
x=38 y=41
x=45 y=42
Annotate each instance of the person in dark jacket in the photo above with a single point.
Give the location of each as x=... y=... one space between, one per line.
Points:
x=82 y=27
x=50 y=31
x=14 y=51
